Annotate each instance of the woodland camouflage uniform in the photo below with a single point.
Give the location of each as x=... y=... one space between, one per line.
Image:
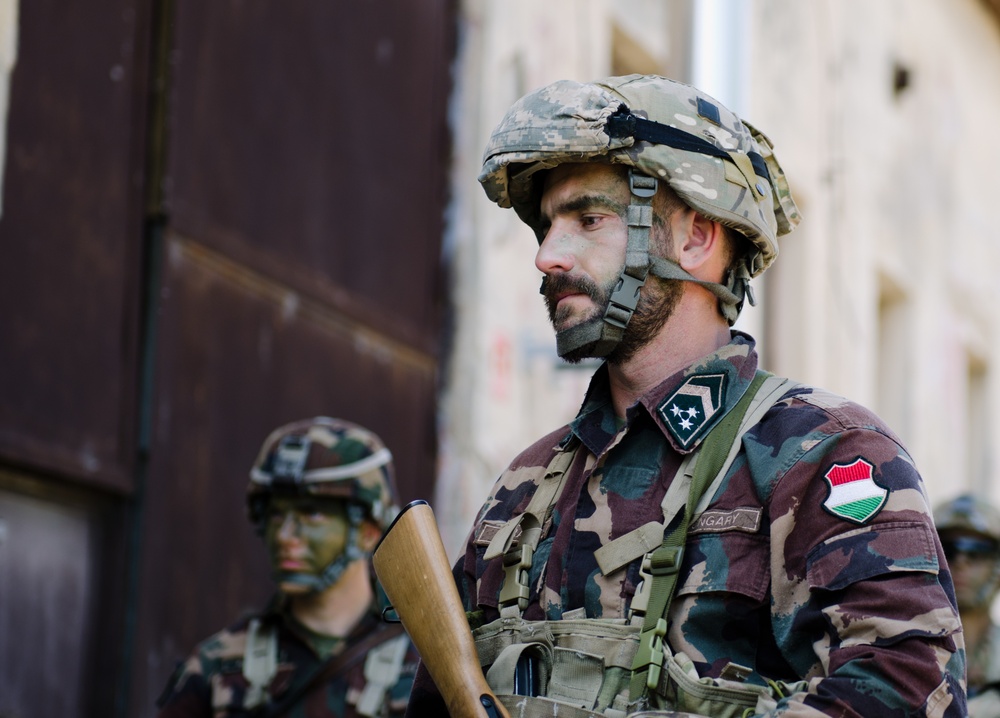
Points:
x=813 y=570
x=213 y=676
x=315 y=459
x=776 y=576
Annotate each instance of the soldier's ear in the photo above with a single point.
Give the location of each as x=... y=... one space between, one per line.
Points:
x=701 y=245
x=368 y=535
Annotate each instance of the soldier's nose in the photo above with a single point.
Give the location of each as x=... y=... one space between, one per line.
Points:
x=554 y=253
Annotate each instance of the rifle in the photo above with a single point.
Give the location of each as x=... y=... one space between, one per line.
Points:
x=412 y=566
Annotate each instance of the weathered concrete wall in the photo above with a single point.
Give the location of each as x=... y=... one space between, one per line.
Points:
x=881 y=114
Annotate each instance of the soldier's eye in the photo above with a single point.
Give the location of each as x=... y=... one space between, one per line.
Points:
x=313 y=513
x=274 y=517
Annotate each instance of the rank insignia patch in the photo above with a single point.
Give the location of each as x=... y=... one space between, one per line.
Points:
x=691 y=410
x=854 y=495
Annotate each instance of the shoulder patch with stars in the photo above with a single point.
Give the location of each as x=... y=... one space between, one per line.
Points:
x=694 y=408
x=854 y=494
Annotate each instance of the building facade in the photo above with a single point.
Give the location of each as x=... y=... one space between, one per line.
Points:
x=218 y=217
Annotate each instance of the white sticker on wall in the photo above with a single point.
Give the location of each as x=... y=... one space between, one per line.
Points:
x=8 y=57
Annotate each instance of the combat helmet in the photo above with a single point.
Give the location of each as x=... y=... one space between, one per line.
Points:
x=971 y=526
x=661 y=130
x=328 y=458
x=968 y=513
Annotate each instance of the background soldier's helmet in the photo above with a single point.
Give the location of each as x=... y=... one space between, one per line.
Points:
x=971 y=514
x=716 y=163
x=324 y=458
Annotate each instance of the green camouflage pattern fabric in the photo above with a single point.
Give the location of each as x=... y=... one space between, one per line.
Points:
x=211 y=684
x=777 y=574
x=567 y=122
x=368 y=474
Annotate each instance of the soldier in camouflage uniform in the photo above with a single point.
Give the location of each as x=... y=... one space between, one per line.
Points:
x=970 y=534
x=794 y=568
x=321 y=493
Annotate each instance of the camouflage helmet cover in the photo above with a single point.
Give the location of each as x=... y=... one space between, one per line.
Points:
x=968 y=513
x=324 y=457
x=568 y=121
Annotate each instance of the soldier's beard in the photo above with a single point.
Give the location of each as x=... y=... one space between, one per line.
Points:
x=657 y=302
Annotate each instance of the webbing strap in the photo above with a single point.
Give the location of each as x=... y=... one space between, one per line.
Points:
x=664 y=563
x=625 y=549
x=624 y=124
x=773 y=388
x=260 y=662
x=545 y=496
x=517 y=558
x=730 y=294
x=326 y=672
x=625 y=297
x=668 y=269
x=383 y=667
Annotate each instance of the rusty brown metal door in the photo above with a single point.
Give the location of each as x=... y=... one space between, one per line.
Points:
x=306 y=159
x=217 y=217
x=70 y=238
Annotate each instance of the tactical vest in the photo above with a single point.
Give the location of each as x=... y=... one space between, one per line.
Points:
x=579 y=667
x=383 y=667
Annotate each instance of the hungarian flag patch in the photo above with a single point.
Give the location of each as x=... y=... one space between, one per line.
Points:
x=854 y=495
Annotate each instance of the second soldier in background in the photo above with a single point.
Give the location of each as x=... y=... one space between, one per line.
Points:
x=321 y=493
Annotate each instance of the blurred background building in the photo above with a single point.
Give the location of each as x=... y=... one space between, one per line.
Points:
x=218 y=217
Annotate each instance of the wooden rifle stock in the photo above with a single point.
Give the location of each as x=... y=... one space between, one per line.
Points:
x=412 y=566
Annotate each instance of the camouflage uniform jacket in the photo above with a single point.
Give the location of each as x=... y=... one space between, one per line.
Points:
x=817 y=558
x=211 y=683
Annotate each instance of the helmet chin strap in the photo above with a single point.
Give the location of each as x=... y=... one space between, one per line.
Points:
x=730 y=295
x=600 y=338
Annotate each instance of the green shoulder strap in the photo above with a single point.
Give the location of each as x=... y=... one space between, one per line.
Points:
x=664 y=562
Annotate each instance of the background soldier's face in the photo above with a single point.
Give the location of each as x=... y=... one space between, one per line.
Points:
x=973 y=563
x=303 y=536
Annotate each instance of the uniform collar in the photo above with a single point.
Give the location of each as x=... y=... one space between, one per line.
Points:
x=279 y=611
x=685 y=406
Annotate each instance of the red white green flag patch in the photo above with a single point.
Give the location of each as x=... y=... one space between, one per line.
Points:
x=854 y=495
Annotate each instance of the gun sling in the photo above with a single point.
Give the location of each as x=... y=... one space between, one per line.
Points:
x=330 y=669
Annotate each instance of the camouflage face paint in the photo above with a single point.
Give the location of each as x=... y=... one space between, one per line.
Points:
x=303 y=536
